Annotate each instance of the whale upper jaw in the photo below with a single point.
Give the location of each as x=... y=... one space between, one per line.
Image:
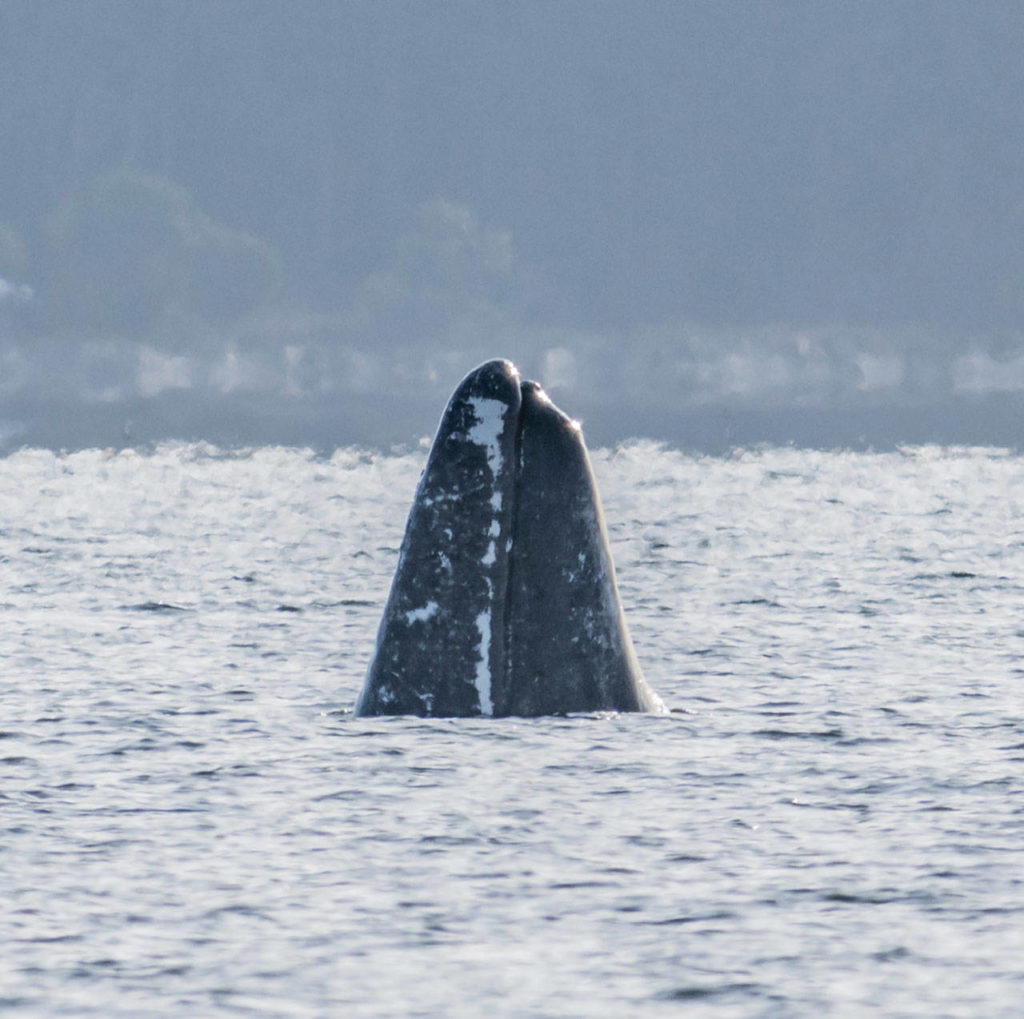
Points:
x=504 y=600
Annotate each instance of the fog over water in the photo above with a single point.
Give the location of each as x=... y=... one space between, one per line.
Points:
x=714 y=223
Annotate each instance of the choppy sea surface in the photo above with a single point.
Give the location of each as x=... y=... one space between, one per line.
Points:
x=829 y=822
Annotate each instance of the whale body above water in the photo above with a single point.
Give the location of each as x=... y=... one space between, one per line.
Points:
x=504 y=601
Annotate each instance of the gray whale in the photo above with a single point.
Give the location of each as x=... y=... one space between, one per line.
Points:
x=504 y=600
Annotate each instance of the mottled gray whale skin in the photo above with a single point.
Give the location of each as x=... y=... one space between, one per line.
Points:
x=504 y=601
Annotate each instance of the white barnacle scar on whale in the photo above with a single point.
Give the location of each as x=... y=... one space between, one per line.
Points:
x=421 y=615
x=504 y=601
x=490 y=421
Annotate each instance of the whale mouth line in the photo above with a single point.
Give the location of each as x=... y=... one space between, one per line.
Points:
x=507 y=626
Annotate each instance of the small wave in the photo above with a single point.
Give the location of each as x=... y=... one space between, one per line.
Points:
x=866 y=898
x=346 y=603
x=827 y=734
x=155 y=606
x=674 y=921
x=699 y=993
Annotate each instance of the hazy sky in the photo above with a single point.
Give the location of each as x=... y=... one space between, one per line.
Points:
x=592 y=168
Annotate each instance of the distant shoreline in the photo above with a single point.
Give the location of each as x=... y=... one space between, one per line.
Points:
x=381 y=421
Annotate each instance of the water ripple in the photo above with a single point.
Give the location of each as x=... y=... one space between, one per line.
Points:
x=830 y=821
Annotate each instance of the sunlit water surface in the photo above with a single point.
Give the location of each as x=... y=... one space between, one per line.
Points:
x=830 y=822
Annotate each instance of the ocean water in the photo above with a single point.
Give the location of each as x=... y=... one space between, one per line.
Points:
x=830 y=821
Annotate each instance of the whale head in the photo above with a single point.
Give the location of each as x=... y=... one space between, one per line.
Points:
x=504 y=600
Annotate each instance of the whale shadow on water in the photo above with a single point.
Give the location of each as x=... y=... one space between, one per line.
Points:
x=504 y=601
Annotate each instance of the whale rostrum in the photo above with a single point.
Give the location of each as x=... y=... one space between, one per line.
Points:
x=504 y=601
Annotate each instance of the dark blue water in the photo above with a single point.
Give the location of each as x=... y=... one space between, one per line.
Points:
x=830 y=822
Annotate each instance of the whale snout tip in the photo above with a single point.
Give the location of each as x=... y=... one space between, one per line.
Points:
x=500 y=366
x=496 y=379
x=537 y=392
x=534 y=394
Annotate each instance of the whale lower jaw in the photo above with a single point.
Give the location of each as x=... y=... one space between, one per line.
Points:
x=504 y=601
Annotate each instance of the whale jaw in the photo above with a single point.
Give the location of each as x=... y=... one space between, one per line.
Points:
x=504 y=600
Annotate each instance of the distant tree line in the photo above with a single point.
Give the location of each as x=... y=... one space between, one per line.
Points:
x=132 y=255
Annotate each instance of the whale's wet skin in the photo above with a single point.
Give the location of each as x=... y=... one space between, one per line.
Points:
x=504 y=601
